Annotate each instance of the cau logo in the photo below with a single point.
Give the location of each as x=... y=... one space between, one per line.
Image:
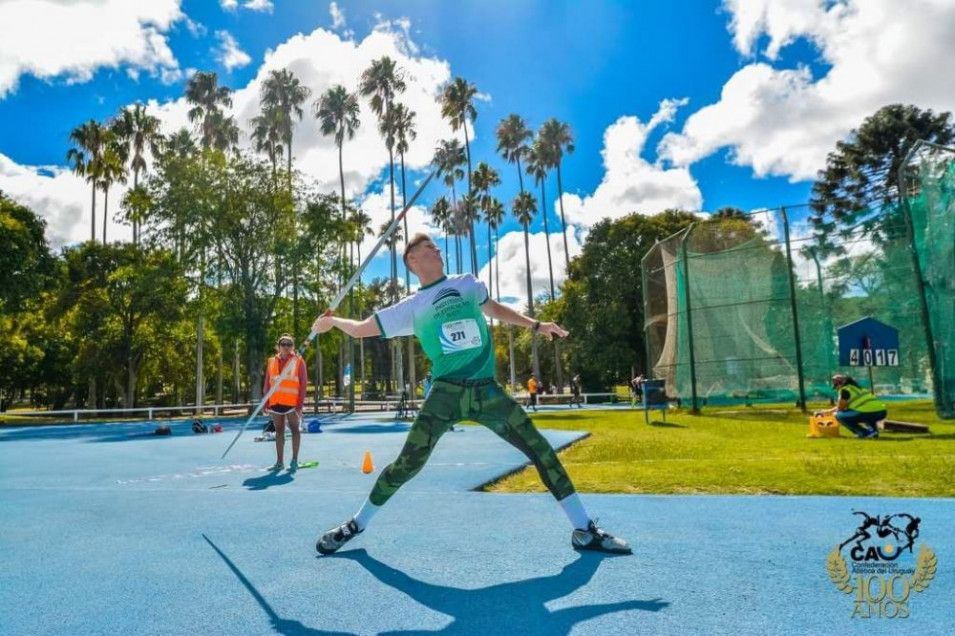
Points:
x=884 y=566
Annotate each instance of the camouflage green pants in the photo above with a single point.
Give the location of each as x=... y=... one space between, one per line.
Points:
x=487 y=404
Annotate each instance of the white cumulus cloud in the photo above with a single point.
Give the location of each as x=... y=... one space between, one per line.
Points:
x=73 y=39
x=63 y=200
x=338 y=15
x=782 y=121
x=631 y=183
x=229 y=53
x=320 y=60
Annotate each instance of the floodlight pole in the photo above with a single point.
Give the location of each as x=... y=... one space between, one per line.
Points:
x=801 y=403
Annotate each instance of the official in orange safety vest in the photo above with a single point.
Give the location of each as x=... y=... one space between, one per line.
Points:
x=533 y=389
x=287 y=402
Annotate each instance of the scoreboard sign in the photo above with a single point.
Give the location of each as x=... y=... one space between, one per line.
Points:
x=868 y=343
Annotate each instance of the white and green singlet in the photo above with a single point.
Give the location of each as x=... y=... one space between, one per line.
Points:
x=446 y=317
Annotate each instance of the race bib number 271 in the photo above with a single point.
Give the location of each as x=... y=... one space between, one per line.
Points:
x=460 y=335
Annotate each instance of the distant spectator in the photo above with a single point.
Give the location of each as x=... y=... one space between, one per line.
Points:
x=532 y=389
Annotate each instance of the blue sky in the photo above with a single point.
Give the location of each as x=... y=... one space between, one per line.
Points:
x=689 y=104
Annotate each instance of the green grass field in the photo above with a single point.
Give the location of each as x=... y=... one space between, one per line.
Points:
x=748 y=450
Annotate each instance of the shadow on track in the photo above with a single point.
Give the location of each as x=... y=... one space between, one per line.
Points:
x=281 y=625
x=518 y=605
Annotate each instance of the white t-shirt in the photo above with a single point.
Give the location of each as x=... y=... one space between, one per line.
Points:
x=446 y=317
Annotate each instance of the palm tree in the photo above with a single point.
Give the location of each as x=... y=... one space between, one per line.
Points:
x=440 y=217
x=485 y=178
x=219 y=132
x=337 y=113
x=86 y=157
x=180 y=144
x=556 y=137
x=537 y=164
x=493 y=215
x=284 y=94
x=362 y=226
x=208 y=100
x=457 y=106
x=402 y=127
x=523 y=208
x=512 y=136
x=112 y=170
x=448 y=158
x=537 y=168
x=139 y=131
x=267 y=139
x=382 y=82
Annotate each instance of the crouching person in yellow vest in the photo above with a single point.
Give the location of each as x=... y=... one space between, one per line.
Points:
x=287 y=402
x=857 y=409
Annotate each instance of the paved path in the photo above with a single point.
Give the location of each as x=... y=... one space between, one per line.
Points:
x=107 y=530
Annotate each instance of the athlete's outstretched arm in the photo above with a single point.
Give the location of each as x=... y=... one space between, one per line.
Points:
x=354 y=328
x=497 y=311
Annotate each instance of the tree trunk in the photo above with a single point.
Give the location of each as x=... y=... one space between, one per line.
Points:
x=236 y=379
x=200 y=382
x=510 y=330
x=93 y=216
x=535 y=363
x=105 y=212
x=553 y=297
x=550 y=265
x=394 y=261
x=560 y=199
x=467 y=147
x=135 y=222
x=412 y=375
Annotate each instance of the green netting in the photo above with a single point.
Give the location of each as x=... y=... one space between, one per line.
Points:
x=931 y=182
x=726 y=299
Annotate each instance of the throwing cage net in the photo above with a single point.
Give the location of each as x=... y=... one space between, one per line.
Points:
x=744 y=308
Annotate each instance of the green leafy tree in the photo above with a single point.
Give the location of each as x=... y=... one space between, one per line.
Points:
x=864 y=168
x=121 y=298
x=26 y=264
x=602 y=300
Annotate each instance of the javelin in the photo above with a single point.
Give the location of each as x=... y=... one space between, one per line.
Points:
x=335 y=303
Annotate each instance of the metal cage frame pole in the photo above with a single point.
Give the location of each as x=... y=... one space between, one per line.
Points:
x=689 y=317
x=646 y=312
x=800 y=374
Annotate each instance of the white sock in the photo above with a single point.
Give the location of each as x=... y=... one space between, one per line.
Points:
x=575 y=512
x=364 y=515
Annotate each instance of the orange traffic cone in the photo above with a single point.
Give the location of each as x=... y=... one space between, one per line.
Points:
x=366 y=465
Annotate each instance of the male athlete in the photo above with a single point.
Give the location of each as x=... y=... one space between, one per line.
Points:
x=447 y=316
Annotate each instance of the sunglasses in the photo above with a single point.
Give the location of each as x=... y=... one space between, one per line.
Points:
x=285 y=344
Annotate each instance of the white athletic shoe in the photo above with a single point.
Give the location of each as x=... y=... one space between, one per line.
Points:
x=593 y=538
x=337 y=537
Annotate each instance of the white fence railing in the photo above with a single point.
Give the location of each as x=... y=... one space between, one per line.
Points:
x=327 y=405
